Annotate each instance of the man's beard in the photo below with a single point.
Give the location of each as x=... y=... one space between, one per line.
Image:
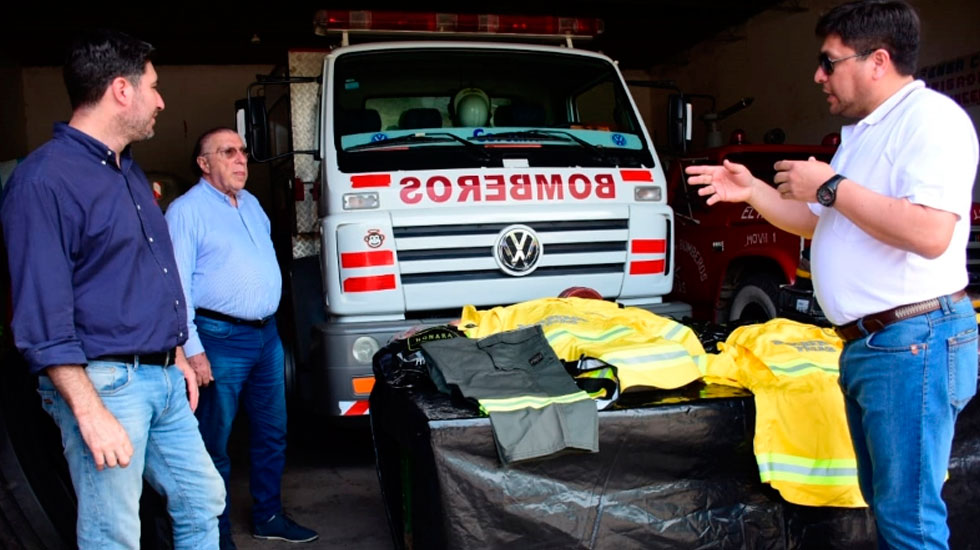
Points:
x=137 y=127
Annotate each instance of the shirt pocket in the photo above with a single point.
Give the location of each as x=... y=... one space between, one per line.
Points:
x=847 y=231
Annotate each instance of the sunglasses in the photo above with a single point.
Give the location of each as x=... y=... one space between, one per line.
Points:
x=228 y=153
x=827 y=64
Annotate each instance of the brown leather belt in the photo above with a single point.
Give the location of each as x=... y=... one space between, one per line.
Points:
x=163 y=359
x=878 y=321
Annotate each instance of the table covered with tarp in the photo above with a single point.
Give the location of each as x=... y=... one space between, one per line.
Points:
x=675 y=469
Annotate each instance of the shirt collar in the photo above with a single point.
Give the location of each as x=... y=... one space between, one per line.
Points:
x=99 y=151
x=214 y=192
x=886 y=107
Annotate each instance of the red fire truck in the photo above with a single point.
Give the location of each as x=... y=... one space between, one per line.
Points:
x=730 y=263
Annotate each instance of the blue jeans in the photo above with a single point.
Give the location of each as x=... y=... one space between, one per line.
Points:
x=903 y=389
x=151 y=404
x=247 y=364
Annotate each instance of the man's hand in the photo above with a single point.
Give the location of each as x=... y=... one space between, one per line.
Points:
x=105 y=437
x=202 y=368
x=800 y=179
x=730 y=182
x=180 y=361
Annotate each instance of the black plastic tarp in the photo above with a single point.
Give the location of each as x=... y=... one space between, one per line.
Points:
x=675 y=470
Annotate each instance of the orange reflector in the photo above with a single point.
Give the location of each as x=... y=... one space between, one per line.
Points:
x=648 y=246
x=366 y=259
x=369 y=284
x=363 y=384
x=370 y=180
x=648 y=267
x=636 y=175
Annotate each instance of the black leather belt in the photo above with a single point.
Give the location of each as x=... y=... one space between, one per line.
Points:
x=877 y=321
x=165 y=358
x=222 y=317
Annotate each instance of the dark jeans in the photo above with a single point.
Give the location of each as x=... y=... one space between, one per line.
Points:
x=247 y=363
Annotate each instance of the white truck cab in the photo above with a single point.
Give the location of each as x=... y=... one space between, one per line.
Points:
x=466 y=172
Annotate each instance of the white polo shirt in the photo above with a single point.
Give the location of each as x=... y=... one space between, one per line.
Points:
x=919 y=145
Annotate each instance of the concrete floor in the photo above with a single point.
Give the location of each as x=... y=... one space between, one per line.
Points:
x=329 y=487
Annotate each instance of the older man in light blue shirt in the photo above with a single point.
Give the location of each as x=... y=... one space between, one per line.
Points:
x=232 y=286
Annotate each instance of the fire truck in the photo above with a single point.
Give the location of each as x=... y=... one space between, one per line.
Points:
x=418 y=176
x=731 y=265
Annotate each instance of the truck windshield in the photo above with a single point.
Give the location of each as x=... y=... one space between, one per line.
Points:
x=425 y=108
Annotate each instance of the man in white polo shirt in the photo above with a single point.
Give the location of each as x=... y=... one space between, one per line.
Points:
x=889 y=219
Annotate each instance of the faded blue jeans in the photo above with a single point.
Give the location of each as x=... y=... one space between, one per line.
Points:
x=151 y=404
x=247 y=364
x=903 y=389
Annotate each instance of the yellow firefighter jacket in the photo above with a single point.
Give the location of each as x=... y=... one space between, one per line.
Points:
x=647 y=350
x=802 y=442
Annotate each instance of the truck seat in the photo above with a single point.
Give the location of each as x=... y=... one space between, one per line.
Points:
x=420 y=118
x=519 y=114
x=359 y=121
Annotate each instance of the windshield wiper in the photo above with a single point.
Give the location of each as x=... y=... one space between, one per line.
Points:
x=420 y=137
x=425 y=137
x=556 y=135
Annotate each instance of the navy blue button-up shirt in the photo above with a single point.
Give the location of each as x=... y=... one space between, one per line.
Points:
x=91 y=265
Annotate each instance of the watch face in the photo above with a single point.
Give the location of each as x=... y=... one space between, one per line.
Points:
x=826 y=193
x=824 y=196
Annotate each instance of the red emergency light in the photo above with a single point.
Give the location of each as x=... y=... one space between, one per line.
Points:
x=461 y=23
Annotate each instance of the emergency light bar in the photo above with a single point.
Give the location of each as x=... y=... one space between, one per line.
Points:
x=535 y=26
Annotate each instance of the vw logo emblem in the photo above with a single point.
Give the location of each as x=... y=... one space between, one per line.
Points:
x=517 y=250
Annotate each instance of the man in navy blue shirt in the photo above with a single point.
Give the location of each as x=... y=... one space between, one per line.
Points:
x=98 y=306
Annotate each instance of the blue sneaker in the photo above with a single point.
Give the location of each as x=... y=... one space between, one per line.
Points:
x=282 y=527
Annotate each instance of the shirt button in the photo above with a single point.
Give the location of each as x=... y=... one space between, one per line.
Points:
x=177 y=302
x=138 y=207
x=180 y=335
x=151 y=239
x=164 y=270
x=103 y=163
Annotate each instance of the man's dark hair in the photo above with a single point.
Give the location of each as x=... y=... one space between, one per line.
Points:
x=98 y=56
x=200 y=145
x=872 y=24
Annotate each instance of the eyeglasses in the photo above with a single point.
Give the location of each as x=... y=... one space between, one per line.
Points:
x=228 y=153
x=827 y=64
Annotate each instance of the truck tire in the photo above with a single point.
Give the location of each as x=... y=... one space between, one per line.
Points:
x=755 y=299
x=37 y=501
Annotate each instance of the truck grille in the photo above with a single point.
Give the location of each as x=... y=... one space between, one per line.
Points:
x=464 y=252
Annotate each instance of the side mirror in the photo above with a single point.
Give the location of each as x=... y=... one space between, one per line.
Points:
x=252 y=124
x=678 y=123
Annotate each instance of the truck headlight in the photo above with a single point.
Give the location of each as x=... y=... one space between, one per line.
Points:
x=364 y=349
x=361 y=201
x=646 y=193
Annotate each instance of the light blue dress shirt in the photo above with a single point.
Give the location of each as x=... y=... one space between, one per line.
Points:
x=225 y=256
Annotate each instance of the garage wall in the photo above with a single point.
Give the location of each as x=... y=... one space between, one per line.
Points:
x=13 y=141
x=772 y=58
x=197 y=97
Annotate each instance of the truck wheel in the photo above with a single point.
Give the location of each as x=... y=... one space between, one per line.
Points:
x=755 y=299
x=37 y=501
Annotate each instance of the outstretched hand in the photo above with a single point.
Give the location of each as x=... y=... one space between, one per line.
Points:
x=730 y=182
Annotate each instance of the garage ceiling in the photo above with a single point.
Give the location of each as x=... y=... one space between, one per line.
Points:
x=638 y=33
